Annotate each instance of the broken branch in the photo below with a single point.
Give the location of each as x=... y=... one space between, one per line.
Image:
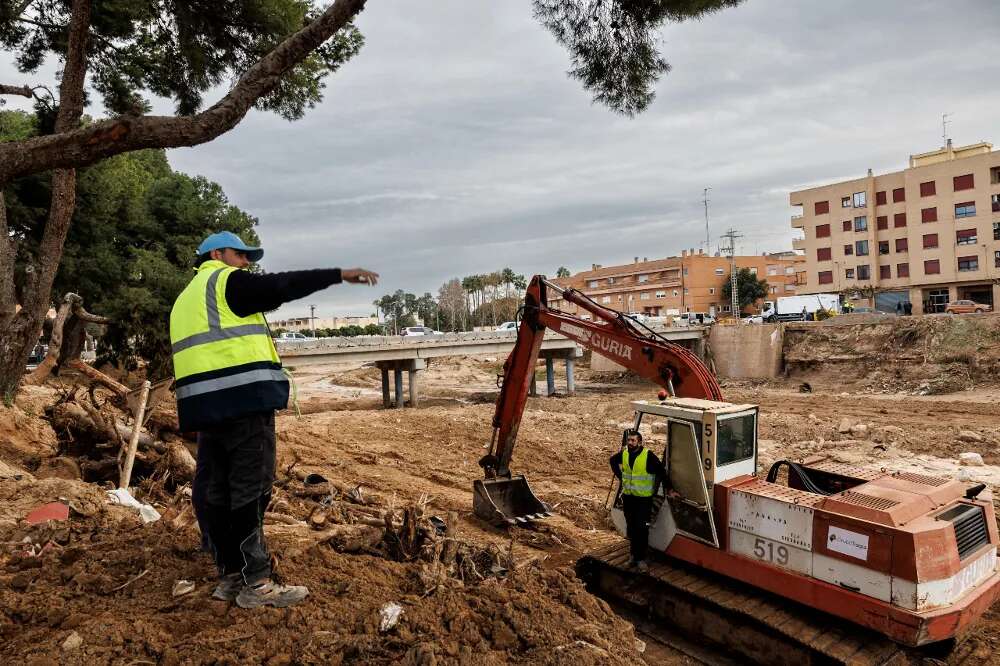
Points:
x=22 y=91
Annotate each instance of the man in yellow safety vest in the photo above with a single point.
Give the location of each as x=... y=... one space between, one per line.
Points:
x=641 y=474
x=229 y=382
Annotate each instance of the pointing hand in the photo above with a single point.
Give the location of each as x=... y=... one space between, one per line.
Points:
x=359 y=276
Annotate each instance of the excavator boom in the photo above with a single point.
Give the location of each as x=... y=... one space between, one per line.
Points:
x=504 y=498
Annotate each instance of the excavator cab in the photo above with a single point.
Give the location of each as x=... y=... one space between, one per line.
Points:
x=701 y=443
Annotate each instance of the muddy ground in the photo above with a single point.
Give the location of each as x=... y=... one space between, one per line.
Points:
x=106 y=578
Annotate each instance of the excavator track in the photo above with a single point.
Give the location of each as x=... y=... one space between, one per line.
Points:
x=743 y=621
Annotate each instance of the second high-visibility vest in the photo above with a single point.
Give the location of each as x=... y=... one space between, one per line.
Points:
x=225 y=365
x=635 y=480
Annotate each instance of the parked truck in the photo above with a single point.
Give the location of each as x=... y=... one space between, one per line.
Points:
x=799 y=308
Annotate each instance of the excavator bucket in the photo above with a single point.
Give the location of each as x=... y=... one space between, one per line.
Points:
x=507 y=501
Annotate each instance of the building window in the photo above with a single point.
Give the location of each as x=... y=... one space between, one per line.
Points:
x=772 y=270
x=967 y=209
x=605 y=299
x=593 y=284
x=686 y=291
x=822 y=231
x=880 y=198
x=720 y=271
x=860 y=200
x=882 y=222
x=848 y=249
x=901 y=245
x=861 y=223
x=996 y=259
x=685 y=270
x=711 y=291
x=898 y=194
x=753 y=270
x=849 y=273
x=847 y=225
x=643 y=278
x=966 y=236
x=725 y=308
x=966 y=182
x=932 y=267
x=611 y=280
x=930 y=240
x=825 y=277
x=902 y=270
x=774 y=289
x=845 y=202
x=663 y=294
x=968 y=263
x=928 y=189
x=995 y=202
x=928 y=215
x=996 y=231
x=789 y=270
x=861 y=248
x=823 y=254
x=885 y=272
x=883 y=247
x=821 y=207
x=789 y=287
x=899 y=220
x=644 y=296
x=995 y=175
x=620 y=298
x=864 y=272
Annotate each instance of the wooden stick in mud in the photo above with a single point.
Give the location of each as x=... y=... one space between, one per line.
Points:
x=126 y=476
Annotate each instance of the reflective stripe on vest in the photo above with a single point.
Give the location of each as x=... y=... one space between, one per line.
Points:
x=221 y=383
x=635 y=480
x=215 y=330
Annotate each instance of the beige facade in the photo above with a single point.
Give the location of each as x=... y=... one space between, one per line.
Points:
x=691 y=282
x=927 y=234
x=303 y=323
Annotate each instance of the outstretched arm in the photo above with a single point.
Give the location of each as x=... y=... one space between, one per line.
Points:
x=247 y=293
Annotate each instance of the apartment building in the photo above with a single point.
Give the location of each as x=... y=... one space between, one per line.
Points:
x=928 y=234
x=691 y=282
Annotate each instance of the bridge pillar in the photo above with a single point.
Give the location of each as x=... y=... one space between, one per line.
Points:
x=386 y=400
x=411 y=366
x=533 y=387
x=398 y=377
x=570 y=382
x=550 y=377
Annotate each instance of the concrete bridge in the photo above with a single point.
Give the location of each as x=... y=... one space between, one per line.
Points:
x=410 y=354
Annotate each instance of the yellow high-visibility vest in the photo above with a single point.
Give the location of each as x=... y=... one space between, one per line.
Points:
x=635 y=480
x=225 y=365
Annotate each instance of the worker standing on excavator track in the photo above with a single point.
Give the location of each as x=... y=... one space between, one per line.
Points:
x=229 y=382
x=641 y=473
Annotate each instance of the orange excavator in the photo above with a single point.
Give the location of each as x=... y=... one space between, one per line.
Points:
x=759 y=562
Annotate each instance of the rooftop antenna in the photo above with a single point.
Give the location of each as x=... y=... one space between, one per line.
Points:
x=944 y=128
x=708 y=237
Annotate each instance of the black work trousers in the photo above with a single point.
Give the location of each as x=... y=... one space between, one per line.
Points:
x=637 y=510
x=232 y=488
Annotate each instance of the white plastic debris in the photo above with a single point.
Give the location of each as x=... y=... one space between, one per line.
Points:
x=390 y=616
x=182 y=587
x=124 y=497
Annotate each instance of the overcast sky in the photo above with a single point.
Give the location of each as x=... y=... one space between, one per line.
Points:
x=454 y=143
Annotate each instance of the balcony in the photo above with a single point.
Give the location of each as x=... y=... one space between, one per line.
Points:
x=798 y=243
x=798 y=221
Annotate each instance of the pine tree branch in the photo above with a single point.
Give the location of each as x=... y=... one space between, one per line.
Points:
x=23 y=91
x=81 y=147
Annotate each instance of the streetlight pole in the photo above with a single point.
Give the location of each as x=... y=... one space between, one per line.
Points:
x=312 y=319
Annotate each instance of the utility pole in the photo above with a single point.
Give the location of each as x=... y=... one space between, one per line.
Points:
x=708 y=237
x=730 y=250
x=944 y=129
x=312 y=319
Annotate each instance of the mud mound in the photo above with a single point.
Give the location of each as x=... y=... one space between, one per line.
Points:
x=110 y=582
x=918 y=355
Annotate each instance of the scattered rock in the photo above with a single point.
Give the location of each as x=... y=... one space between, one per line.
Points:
x=964 y=475
x=969 y=436
x=895 y=430
x=860 y=430
x=72 y=642
x=970 y=458
x=813 y=417
x=845 y=426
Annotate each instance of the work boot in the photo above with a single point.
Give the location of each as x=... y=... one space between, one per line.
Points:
x=229 y=586
x=270 y=593
x=642 y=566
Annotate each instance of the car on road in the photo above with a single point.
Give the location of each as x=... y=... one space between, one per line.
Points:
x=965 y=306
x=754 y=319
x=292 y=336
x=507 y=326
x=410 y=331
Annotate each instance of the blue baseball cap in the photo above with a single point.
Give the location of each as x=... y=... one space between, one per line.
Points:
x=225 y=239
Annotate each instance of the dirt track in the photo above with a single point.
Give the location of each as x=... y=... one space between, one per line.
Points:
x=536 y=614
